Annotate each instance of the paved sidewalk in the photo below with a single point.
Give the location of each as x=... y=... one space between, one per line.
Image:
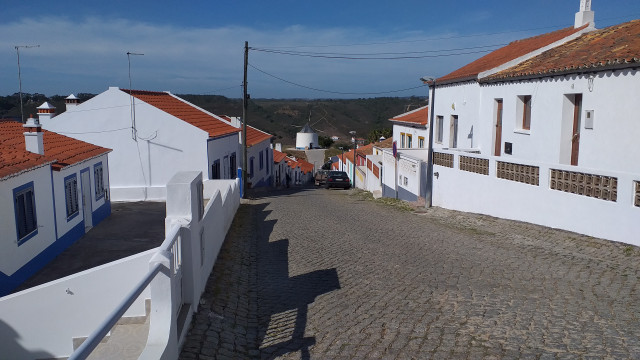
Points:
x=325 y=274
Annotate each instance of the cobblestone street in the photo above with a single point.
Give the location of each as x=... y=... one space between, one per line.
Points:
x=328 y=274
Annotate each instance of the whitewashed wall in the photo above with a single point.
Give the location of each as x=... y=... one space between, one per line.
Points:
x=12 y=256
x=486 y=194
x=415 y=133
x=139 y=169
x=260 y=176
x=218 y=149
x=610 y=145
x=463 y=100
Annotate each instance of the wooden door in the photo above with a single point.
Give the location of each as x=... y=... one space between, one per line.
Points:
x=575 y=139
x=498 y=144
x=453 y=132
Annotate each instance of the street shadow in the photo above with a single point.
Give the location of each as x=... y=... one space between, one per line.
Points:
x=284 y=300
x=267 y=192
x=12 y=349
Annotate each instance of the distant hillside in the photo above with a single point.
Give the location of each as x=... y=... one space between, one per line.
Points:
x=282 y=118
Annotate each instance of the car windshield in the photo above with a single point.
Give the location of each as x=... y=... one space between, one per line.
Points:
x=338 y=174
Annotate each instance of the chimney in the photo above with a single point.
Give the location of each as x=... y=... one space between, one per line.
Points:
x=279 y=147
x=585 y=15
x=33 y=140
x=71 y=101
x=46 y=111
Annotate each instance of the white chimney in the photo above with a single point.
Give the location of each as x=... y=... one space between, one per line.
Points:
x=33 y=140
x=585 y=15
x=46 y=111
x=71 y=101
x=279 y=147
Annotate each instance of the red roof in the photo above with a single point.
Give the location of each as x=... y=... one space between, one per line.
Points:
x=185 y=111
x=507 y=53
x=255 y=136
x=609 y=48
x=59 y=150
x=278 y=156
x=419 y=116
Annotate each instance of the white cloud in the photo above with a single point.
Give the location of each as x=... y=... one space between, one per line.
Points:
x=89 y=55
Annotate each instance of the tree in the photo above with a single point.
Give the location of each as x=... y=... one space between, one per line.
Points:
x=325 y=141
x=374 y=135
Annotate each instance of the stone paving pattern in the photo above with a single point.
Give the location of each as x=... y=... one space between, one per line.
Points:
x=328 y=274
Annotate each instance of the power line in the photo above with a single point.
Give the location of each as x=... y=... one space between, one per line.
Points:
x=302 y=53
x=371 y=58
x=335 y=92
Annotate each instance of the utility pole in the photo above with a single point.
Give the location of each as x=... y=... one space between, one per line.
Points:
x=244 y=121
x=17 y=47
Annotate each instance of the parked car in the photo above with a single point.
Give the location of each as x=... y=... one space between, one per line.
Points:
x=338 y=179
x=321 y=177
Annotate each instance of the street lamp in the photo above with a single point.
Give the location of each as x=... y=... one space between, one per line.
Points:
x=17 y=47
x=355 y=144
x=431 y=81
x=342 y=158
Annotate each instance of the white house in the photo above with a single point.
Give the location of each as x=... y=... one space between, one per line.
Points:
x=544 y=130
x=410 y=129
x=280 y=169
x=153 y=135
x=259 y=154
x=306 y=138
x=53 y=189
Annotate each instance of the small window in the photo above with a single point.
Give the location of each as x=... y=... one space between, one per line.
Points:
x=439 y=129
x=406 y=181
x=251 y=167
x=233 y=165
x=98 y=178
x=421 y=142
x=524 y=109
x=261 y=157
x=25 y=212
x=409 y=141
x=215 y=170
x=71 y=196
x=402 y=136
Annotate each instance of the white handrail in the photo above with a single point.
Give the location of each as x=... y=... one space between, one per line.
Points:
x=171 y=238
x=84 y=350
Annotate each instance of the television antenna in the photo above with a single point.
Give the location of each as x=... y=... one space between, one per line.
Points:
x=17 y=47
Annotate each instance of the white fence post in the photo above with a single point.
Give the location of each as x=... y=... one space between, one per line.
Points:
x=162 y=342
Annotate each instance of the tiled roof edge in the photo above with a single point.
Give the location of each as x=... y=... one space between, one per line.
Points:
x=18 y=173
x=558 y=72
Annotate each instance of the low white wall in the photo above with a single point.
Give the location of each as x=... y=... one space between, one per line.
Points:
x=486 y=194
x=46 y=318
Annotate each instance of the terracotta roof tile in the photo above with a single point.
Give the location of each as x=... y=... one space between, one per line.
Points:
x=255 y=136
x=507 y=53
x=418 y=116
x=185 y=112
x=278 y=156
x=59 y=150
x=613 y=47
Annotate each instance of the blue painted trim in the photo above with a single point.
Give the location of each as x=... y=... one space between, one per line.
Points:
x=241 y=185
x=15 y=212
x=55 y=211
x=222 y=137
x=95 y=166
x=66 y=203
x=102 y=212
x=8 y=283
x=87 y=169
x=404 y=194
x=388 y=191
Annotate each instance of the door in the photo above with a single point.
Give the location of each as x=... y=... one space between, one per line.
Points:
x=86 y=200
x=498 y=144
x=575 y=139
x=453 y=132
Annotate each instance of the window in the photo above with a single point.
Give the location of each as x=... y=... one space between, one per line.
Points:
x=233 y=166
x=25 y=211
x=439 y=130
x=421 y=142
x=98 y=178
x=524 y=112
x=402 y=140
x=266 y=155
x=261 y=160
x=251 y=167
x=409 y=142
x=71 y=195
x=215 y=170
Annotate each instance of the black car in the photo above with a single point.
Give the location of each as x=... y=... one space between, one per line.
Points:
x=338 y=179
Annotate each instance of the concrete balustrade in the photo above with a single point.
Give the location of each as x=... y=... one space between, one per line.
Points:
x=84 y=303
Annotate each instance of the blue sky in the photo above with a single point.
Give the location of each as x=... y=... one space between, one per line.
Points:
x=197 y=46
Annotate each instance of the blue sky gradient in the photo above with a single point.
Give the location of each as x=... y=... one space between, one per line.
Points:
x=197 y=46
